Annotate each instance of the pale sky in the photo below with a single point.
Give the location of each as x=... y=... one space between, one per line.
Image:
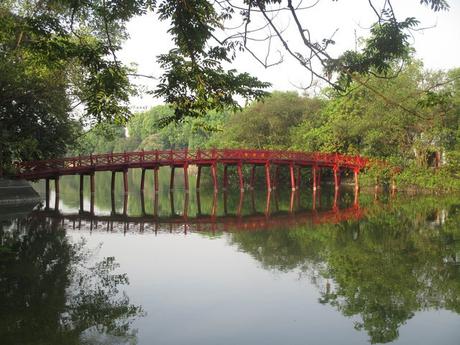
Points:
x=438 y=46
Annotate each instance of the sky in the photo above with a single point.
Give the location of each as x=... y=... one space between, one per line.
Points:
x=438 y=46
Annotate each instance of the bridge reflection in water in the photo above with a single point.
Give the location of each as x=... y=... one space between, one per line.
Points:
x=179 y=221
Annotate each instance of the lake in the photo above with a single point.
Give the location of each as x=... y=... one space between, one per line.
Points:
x=229 y=268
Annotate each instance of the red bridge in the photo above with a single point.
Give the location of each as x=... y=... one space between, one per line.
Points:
x=120 y=162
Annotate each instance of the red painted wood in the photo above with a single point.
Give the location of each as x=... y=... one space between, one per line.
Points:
x=92 y=186
x=34 y=170
x=336 y=177
x=82 y=181
x=171 y=180
x=198 y=178
x=214 y=176
x=112 y=184
x=267 y=176
x=186 y=176
x=240 y=175
x=125 y=181
x=314 y=173
x=56 y=185
x=142 y=179
x=155 y=180
x=291 y=170
x=47 y=193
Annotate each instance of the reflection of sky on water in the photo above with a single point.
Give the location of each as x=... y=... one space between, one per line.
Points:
x=265 y=287
x=201 y=290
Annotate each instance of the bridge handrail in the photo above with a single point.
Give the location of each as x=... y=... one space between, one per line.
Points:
x=194 y=156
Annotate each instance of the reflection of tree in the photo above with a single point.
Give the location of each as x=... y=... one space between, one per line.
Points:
x=50 y=295
x=383 y=269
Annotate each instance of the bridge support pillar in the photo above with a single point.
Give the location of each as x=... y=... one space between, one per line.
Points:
x=112 y=183
x=198 y=203
x=292 y=201
x=82 y=181
x=125 y=204
x=91 y=204
x=314 y=200
x=171 y=180
x=356 y=178
x=186 y=177
x=112 y=202
x=47 y=193
x=268 y=204
x=314 y=174
x=356 y=198
x=155 y=179
x=293 y=182
x=125 y=181
x=240 y=176
x=142 y=179
x=335 y=205
x=225 y=179
x=92 y=185
x=336 y=170
x=56 y=184
x=268 y=177
x=198 y=178
x=214 y=175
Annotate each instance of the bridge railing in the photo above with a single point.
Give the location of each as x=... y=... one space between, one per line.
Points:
x=170 y=157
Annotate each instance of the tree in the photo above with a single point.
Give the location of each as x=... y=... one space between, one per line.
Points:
x=79 y=40
x=267 y=124
x=364 y=122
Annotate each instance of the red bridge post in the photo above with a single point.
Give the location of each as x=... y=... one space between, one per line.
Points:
x=47 y=193
x=336 y=170
x=81 y=183
x=155 y=179
x=198 y=178
x=56 y=185
x=314 y=200
x=293 y=182
x=92 y=185
x=171 y=180
x=240 y=175
x=142 y=179
x=112 y=184
x=214 y=175
x=356 y=173
x=91 y=204
x=186 y=176
x=125 y=181
x=267 y=176
x=314 y=172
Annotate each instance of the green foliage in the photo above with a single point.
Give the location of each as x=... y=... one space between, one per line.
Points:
x=382 y=269
x=267 y=124
x=58 y=290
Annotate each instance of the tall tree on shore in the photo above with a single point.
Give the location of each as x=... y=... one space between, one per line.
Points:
x=70 y=47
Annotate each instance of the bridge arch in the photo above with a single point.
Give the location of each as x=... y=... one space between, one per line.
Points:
x=53 y=169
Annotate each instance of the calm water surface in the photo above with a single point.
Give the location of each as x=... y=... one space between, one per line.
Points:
x=230 y=268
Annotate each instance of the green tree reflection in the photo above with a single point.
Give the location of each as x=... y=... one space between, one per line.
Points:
x=402 y=258
x=50 y=293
